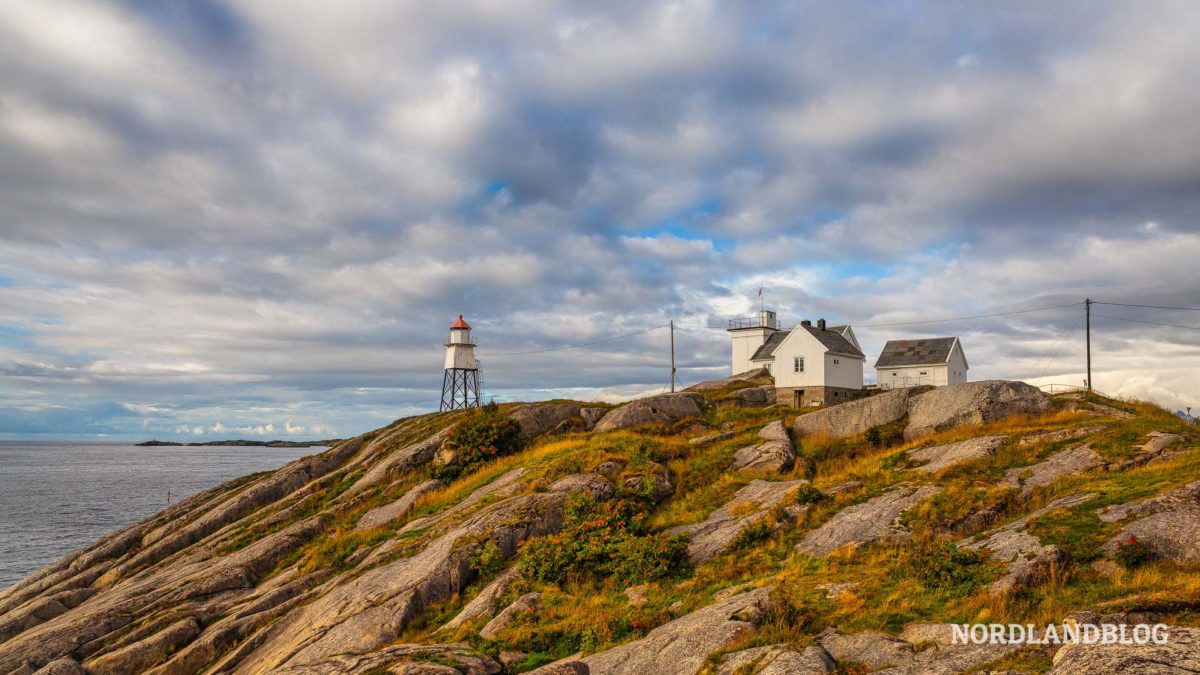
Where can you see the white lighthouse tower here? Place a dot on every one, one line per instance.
(461, 382)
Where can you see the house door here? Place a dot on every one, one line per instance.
(798, 398)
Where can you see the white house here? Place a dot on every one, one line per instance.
(812, 364)
(912, 363)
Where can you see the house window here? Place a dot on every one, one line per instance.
(835, 362)
(924, 372)
(798, 364)
(894, 373)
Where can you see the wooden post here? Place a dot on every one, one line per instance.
(672, 356)
(1087, 313)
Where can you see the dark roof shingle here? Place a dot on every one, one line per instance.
(767, 350)
(833, 341)
(922, 352)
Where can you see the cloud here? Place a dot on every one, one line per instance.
(259, 217)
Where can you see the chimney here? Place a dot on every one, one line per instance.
(806, 323)
(821, 324)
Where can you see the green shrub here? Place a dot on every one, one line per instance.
(1132, 552)
(603, 539)
(945, 567)
(751, 535)
(484, 435)
(488, 559)
(807, 494)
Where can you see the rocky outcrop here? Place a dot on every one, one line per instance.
(661, 409)
(484, 603)
(390, 513)
(1080, 459)
(681, 646)
(877, 520)
(1024, 556)
(506, 485)
(776, 660)
(1152, 450)
(854, 417)
(372, 609)
(400, 462)
(717, 533)
(594, 484)
(536, 419)
(1061, 435)
(981, 402)
(1179, 654)
(774, 454)
(941, 457)
(954, 659)
(572, 666)
(140, 656)
(404, 660)
(1170, 535)
(522, 605)
(747, 376)
(874, 650)
(752, 396)
(1172, 500)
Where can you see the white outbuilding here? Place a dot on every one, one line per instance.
(927, 361)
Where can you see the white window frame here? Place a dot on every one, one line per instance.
(798, 364)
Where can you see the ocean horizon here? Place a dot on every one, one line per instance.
(57, 497)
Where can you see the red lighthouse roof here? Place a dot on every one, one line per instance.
(460, 324)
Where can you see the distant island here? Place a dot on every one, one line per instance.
(240, 442)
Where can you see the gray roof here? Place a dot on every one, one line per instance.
(832, 339)
(923, 352)
(767, 350)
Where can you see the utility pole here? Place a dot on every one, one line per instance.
(1087, 313)
(672, 356)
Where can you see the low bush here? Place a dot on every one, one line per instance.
(1132, 552)
(945, 567)
(607, 538)
(484, 435)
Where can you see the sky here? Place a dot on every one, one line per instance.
(258, 218)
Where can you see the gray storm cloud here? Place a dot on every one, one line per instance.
(256, 215)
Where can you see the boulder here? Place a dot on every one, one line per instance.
(512, 658)
(539, 418)
(1080, 459)
(660, 409)
(636, 595)
(981, 402)
(712, 438)
(776, 660)
(484, 603)
(594, 484)
(1179, 654)
(592, 415)
(522, 605)
(717, 533)
(390, 513)
(732, 379)
(64, 666)
(954, 659)
(854, 417)
(941, 457)
(774, 454)
(877, 520)
(682, 646)
(874, 650)
(653, 485)
(753, 396)
(1170, 535)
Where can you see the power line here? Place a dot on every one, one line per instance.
(583, 344)
(1128, 304)
(1151, 323)
(964, 318)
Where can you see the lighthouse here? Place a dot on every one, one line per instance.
(461, 382)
